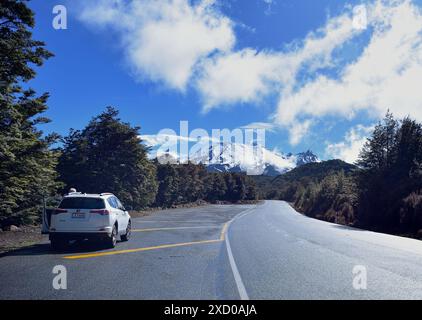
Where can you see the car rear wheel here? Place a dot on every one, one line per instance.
(125, 237)
(112, 240)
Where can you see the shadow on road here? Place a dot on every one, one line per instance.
(45, 249)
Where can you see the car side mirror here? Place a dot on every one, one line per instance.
(129, 208)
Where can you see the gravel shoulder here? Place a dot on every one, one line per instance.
(24, 237)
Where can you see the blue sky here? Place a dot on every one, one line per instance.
(310, 70)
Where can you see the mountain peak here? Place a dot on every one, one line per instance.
(306, 157)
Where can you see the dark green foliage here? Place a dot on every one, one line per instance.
(187, 183)
(239, 192)
(192, 184)
(27, 164)
(168, 187)
(107, 156)
(333, 199)
(317, 170)
(251, 189)
(180, 184)
(323, 190)
(264, 187)
(390, 178)
(17, 48)
(217, 187)
(411, 213)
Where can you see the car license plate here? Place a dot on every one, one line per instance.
(78, 215)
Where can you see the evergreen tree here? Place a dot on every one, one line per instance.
(378, 151)
(192, 188)
(251, 190)
(384, 183)
(239, 192)
(217, 187)
(168, 187)
(27, 163)
(108, 156)
(230, 187)
(408, 147)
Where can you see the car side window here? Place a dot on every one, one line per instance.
(119, 204)
(112, 202)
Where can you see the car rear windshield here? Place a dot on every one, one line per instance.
(82, 203)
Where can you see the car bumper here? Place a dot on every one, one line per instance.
(94, 235)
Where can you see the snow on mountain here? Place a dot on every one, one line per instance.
(306, 157)
(252, 159)
(234, 157)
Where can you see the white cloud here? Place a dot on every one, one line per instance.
(175, 41)
(387, 74)
(298, 130)
(164, 40)
(248, 75)
(243, 76)
(268, 126)
(182, 43)
(350, 148)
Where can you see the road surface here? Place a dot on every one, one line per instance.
(264, 251)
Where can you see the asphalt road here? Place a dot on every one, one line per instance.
(265, 251)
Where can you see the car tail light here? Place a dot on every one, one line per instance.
(102, 212)
(58, 211)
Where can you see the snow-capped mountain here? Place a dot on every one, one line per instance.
(252, 159)
(306, 157)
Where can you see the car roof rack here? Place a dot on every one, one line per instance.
(74, 193)
(106, 194)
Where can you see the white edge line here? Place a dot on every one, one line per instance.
(237, 278)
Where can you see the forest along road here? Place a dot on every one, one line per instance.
(268, 251)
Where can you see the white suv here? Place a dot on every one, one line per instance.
(89, 216)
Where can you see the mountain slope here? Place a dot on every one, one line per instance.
(316, 171)
(305, 175)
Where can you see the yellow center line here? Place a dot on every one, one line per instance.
(223, 232)
(174, 245)
(174, 228)
(109, 253)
